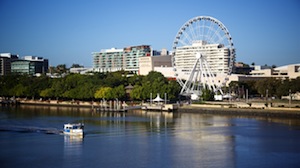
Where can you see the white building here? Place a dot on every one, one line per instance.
(81, 70)
(291, 71)
(216, 55)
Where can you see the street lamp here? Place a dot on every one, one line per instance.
(290, 98)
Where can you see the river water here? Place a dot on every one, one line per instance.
(30, 137)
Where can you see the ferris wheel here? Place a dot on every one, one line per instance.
(203, 56)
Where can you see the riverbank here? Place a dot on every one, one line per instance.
(208, 108)
(227, 110)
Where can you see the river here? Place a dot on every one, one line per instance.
(30, 137)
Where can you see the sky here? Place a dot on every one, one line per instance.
(68, 31)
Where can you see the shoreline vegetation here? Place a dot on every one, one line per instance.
(104, 91)
(261, 109)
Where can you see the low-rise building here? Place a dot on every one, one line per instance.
(81, 70)
(31, 65)
(148, 64)
(291, 71)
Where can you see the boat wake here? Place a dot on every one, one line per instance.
(29, 129)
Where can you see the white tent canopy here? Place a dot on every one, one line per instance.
(158, 99)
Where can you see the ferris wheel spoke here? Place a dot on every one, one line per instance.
(219, 35)
(203, 27)
(192, 31)
(198, 29)
(214, 35)
(221, 39)
(182, 42)
(210, 29)
(187, 37)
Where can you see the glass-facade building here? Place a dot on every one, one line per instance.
(23, 67)
(30, 65)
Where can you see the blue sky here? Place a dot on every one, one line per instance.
(68, 31)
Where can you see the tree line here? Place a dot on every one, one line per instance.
(110, 85)
(271, 87)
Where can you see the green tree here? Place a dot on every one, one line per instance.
(47, 93)
(267, 85)
(119, 92)
(104, 93)
(173, 89)
(207, 95)
(135, 80)
(295, 85)
(61, 68)
(76, 66)
(115, 79)
(19, 90)
(136, 93)
(153, 75)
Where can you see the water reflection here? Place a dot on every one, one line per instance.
(209, 138)
(73, 150)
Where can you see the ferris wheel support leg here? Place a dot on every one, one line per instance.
(188, 83)
(208, 75)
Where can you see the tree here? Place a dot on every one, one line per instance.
(47, 93)
(61, 69)
(267, 86)
(173, 89)
(136, 93)
(283, 88)
(295, 85)
(76, 66)
(153, 75)
(207, 95)
(119, 92)
(115, 79)
(19, 90)
(104, 93)
(136, 79)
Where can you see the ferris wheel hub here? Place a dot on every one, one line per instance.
(198, 55)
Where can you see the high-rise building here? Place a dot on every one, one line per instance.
(5, 63)
(108, 60)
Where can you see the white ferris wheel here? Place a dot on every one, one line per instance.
(203, 56)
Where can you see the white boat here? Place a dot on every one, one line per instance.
(73, 129)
